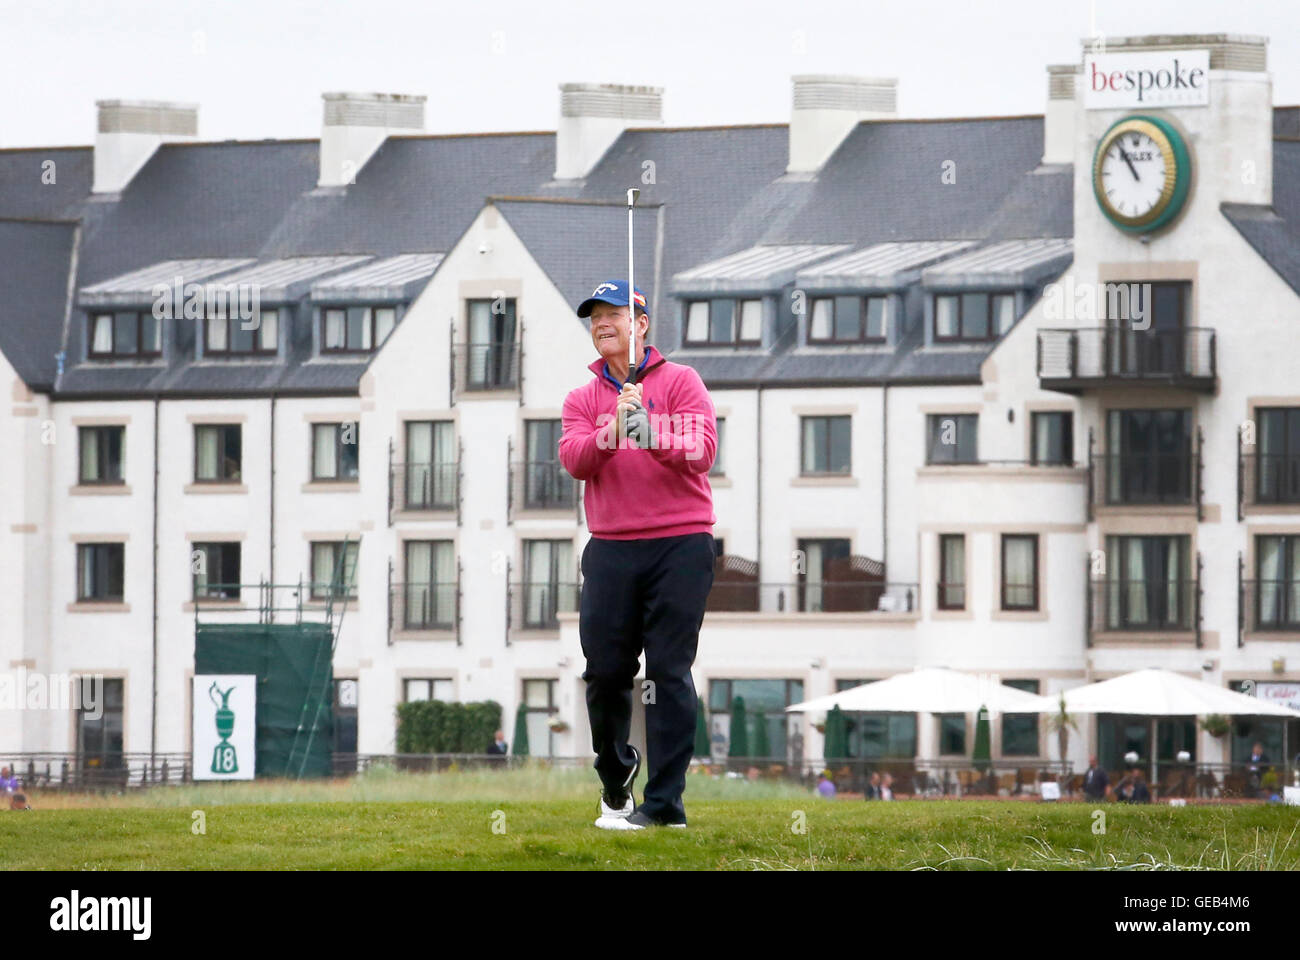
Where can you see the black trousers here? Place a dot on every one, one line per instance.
(644, 595)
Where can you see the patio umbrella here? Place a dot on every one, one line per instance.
(762, 746)
(701, 731)
(837, 735)
(980, 755)
(520, 747)
(929, 690)
(1160, 693)
(738, 745)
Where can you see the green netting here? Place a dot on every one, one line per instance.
(295, 689)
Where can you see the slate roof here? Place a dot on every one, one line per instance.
(34, 262)
(1274, 232)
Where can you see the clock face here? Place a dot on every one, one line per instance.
(1140, 173)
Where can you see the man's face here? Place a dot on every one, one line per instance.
(609, 330)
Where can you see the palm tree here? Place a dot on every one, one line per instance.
(1061, 723)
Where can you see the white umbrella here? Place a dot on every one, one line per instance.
(928, 690)
(1160, 693)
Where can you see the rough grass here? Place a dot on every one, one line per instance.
(542, 819)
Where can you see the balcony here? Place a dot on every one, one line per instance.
(1146, 480)
(536, 606)
(1144, 607)
(428, 607)
(813, 598)
(1267, 609)
(540, 485)
(1267, 480)
(431, 487)
(485, 367)
(1090, 358)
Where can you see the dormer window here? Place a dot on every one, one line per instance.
(125, 335)
(235, 336)
(356, 329)
(973, 317)
(729, 322)
(847, 319)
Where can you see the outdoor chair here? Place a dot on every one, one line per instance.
(1207, 784)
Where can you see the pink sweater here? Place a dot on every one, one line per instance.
(635, 494)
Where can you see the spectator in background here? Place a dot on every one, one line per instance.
(8, 782)
(1133, 788)
(873, 787)
(825, 786)
(1258, 759)
(1095, 781)
(19, 802)
(887, 787)
(498, 746)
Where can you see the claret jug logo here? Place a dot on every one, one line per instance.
(224, 757)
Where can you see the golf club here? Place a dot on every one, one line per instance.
(632, 195)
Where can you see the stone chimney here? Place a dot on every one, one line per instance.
(827, 108)
(129, 131)
(1058, 120)
(356, 124)
(592, 115)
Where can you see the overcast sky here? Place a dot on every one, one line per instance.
(257, 67)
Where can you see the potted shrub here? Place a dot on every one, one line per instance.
(557, 725)
(1216, 725)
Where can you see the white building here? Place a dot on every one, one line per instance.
(932, 451)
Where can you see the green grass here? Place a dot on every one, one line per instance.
(543, 820)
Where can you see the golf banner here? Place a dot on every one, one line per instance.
(224, 726)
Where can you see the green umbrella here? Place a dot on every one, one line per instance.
(701, 731)
(837, 735)
(520, 746)
(980, 756)
(762, 747)
(739, 745)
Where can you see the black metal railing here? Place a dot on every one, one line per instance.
(486, 366)
(425, 606)
(1147, 479)
(541, 485)
(1270, 606)
(813, 597)
(537, 605)
(110, 770)
(1150, 606)
(1269, 478)
(1096, 355)
(425, 486)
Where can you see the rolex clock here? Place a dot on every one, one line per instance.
(1140, 173)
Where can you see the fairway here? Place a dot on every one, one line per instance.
(542, 819)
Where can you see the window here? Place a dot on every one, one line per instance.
(1020, 730)
(1277, 477)
(826, 446)
(430, 688)
(125, 334)
(765, 703)
(1277, 572)
(100, 450)
(234, 335)
(335, 449)
(100, 572)
(952, 734)
(847, 319)
(547, 485)
(1052, 438)
(356, 329)
(431, 469)
(719, 468)
(550, 582)
(1019, 571)
(491, 351)
(99, 727)
(328, 576)
(711, 322)
(952, 571)
(431, 585)
(1149, 587)
(346, 694)
(540, 704)
(817, 556)
(1149, 456)
(218, 453)
(953, 438)
(973, 316)
(1160, 348)
(216, 571)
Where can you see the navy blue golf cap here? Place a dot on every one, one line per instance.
(612, 292)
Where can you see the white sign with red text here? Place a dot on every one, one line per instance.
(1149, 78)
(1283, 694)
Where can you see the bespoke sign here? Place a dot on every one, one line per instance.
(1147, 78)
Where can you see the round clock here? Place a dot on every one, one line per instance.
(1140, 173)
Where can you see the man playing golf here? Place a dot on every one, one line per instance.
(643, 440)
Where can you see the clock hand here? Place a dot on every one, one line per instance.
(1132, 168)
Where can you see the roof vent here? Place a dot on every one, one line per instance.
(592, 115)
(129, 131)
(827, 108)
(355, 126)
